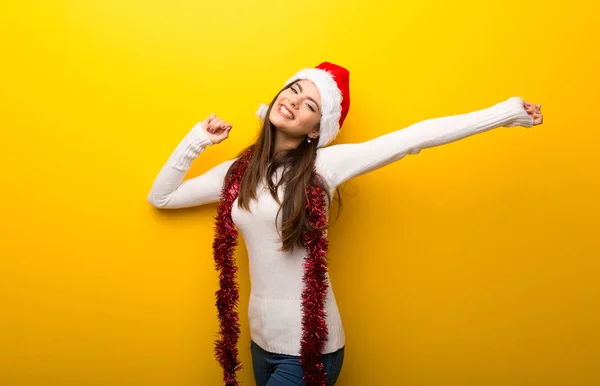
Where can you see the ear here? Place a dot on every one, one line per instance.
(315, 133)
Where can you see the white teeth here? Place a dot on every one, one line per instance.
(286, 111)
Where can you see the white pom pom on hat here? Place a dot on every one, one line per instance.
(262, 111)
(333, 83)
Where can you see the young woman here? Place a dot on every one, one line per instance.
(277, 193)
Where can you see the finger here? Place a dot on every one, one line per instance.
(216, 124)
(208, 120)
(224, 125)
(221, 125)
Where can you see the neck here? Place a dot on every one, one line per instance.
(285, 142)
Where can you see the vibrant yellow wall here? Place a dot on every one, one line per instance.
(474, 263)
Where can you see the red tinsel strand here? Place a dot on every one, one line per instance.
(314, 325)
(227, 296)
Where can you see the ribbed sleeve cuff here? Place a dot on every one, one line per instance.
(514, 113)
(189, 148)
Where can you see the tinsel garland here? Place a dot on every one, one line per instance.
(314, 326)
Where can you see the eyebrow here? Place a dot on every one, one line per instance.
(300, 87)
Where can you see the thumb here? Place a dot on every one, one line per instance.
(208, 119)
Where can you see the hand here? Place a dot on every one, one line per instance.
(534, 112)
(216, 129)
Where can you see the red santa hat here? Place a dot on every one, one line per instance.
(333, 83)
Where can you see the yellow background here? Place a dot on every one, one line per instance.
(473, 263)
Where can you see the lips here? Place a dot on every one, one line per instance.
(288, 109)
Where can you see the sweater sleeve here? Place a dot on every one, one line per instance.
(340, 163)
(170, 191)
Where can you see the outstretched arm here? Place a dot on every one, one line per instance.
(343, 162)
(169, 191)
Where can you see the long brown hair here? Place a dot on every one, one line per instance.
(298, 172)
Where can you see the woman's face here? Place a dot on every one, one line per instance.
(297, 110)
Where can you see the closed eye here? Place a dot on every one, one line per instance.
(308, 105)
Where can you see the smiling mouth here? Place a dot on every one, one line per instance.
(285, 112)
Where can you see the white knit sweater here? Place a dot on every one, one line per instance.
(276, 277)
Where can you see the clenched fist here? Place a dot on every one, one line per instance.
(535, 112)
(216, 129)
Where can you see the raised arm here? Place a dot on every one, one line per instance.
(170, 191)
(340, 163)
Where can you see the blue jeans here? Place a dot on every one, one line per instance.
(285, 370)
